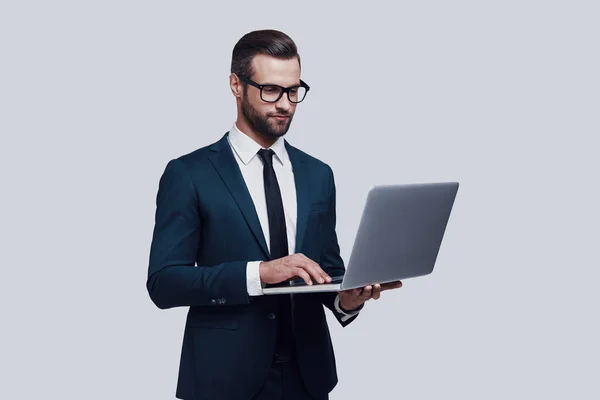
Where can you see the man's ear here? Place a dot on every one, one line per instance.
(236, 85)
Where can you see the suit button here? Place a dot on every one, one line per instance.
(271, 316)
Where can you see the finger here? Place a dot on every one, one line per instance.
(301, 261)
(317, 268)
(313, 269)
(351, 292)
(296, 262)
(391, 285)
(376, 291)
(302, 274)
(366, 293)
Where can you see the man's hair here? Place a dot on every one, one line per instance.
(270, 42)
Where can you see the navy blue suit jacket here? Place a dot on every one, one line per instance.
(206, 230)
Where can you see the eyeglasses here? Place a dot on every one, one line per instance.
(272, 93)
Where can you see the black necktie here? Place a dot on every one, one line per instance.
(279, 248)
(277, 229)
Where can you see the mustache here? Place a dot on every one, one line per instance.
(280, 115)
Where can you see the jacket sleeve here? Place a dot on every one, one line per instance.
(173, 278)
(331, 261)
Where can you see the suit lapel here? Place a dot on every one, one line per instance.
(301, 179)
(224, 162)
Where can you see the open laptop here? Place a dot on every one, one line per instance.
(399, 237)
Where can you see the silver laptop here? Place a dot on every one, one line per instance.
(399, 237)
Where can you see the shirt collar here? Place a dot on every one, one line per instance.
(246, 147)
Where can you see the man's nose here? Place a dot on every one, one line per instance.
(283, 103)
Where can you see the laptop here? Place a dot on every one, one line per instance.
(399, 237)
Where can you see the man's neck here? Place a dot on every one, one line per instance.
(245, 128)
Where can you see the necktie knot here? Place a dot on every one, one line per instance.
(267, 156)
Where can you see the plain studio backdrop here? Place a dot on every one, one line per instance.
(503, 97)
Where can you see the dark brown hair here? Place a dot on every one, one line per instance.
(270, 42)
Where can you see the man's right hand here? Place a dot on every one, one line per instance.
(290, 267)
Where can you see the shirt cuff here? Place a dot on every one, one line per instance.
(346, 315)
(253, 283)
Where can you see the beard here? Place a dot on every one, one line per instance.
(264, 124)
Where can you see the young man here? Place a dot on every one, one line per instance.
(247, 211)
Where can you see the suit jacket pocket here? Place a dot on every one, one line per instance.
(213, 321)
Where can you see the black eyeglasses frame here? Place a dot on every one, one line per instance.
(283, 90)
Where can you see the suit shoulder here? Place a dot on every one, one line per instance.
(198, 156)
(313, 161)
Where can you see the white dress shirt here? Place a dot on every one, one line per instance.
(245, 149)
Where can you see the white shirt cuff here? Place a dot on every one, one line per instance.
(253, 283)
(347, 315)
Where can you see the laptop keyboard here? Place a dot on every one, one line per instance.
(334, 279)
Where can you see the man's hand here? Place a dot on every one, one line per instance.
(352, 299)
(290, 267)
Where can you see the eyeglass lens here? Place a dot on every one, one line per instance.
(272, 93)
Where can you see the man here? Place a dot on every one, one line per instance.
(248, 211)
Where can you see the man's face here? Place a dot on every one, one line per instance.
(271, 120)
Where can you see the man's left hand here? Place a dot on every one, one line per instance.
(352, 299)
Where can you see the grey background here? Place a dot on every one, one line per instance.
(96, 97)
